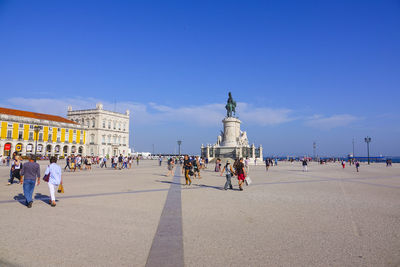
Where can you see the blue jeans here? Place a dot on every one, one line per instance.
(29, 186)
(228, 182)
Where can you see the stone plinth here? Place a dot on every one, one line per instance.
(231, 132)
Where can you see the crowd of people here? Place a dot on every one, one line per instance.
(78, 162)
(28, 173)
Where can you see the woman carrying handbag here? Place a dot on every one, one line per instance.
(54, 173)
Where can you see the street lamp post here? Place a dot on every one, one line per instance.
(179, 145)
(314, 148)
(368, 140)
(36, 128)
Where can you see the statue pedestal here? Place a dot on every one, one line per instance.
(231, 132)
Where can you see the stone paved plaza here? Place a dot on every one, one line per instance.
(328, 216)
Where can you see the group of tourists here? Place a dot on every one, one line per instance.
(192, 166)
(238, 170)
(78, 162)
(28, 175)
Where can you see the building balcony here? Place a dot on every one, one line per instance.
(91, 143)
(103, 143)
(66, 142)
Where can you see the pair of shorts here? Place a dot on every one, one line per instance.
(241, 177)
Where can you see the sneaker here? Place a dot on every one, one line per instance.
(8, 183)
(241, 189)
(30, 204)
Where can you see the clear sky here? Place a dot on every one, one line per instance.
(301, 71)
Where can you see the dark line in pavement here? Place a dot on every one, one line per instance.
(167, 246)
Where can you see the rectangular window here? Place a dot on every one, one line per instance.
(40, 136)
(104, 124)
(20, 135)
(9, 134)
(21, 125)
(31, 136)
(50, 138)
(93, 123)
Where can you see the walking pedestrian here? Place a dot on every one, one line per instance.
(228, 174)
(54, 179)
(247, 163)
(170, 167)
(267, 164)
(343, 164)
(357, 165)
(16, 170)
(196, 168)
(30, 172)
(305, 165)
(120, 161)
(241, 173)
(187, 166)
(67, 163)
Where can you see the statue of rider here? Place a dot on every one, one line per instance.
(230, 106)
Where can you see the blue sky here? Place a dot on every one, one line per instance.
(302, 71)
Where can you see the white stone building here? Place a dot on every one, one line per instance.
(107, 132)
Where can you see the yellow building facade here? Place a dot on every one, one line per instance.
(24, 132)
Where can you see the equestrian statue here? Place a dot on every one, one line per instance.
(230, 106)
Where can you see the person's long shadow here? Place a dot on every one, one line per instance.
(44, 198)
(21, 199)
(169, 182)
(210, 186)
